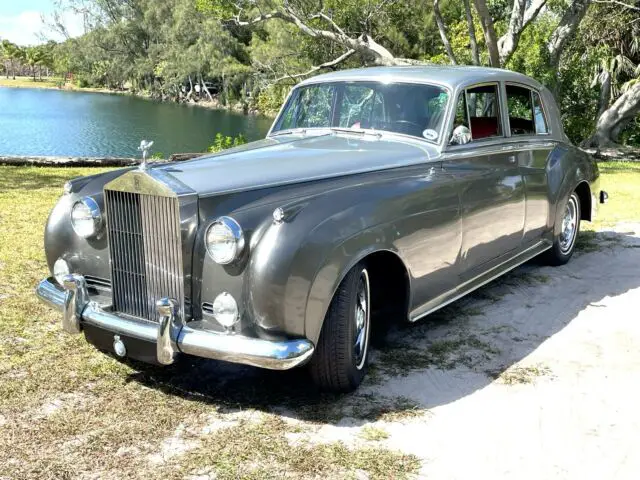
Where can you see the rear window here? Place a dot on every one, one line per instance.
(526, 114)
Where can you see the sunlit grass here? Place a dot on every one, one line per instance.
(68, 411)
(622, 181)
(29, 82)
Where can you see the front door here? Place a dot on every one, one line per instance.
(490, 183)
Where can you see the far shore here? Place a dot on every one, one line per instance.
(52, 83)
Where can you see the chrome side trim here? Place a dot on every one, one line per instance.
(275, 355)
(470, 286)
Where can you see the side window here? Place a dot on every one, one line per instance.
(484, 112)
(538, 115)
(519, 104)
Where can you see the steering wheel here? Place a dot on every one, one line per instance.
(407, 126)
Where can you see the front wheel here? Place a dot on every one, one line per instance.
(565, 242)
(341, 357)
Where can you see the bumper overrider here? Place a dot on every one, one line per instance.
(171, 335)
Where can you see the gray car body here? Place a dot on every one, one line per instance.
(454, 216)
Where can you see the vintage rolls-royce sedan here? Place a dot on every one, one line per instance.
(380, 193)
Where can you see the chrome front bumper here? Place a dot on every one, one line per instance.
(170, 335)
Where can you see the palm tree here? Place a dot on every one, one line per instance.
(33, 56)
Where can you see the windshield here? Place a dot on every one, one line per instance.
(411, 109)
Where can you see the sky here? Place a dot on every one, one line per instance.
(21, 21)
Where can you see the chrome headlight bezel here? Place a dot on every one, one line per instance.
(228, 229)
(92, 214)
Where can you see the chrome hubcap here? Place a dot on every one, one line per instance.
(361, 320)
(569, 225)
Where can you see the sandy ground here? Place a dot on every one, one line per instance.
(567, 404)
(537, 377)
(556, 398)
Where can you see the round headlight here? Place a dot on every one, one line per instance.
(225, 310)
(60, 269)
(86, 218)
(224, 240)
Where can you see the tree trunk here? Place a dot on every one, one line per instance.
(190, 92)
(565, 29)
(473, 43)
(205, 89)
(489, 32)
(615, 118)
(605, 94)
(443, 32)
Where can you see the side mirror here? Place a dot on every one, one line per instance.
(461, 135)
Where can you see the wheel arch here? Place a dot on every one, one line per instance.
(378, 259)
(584, 194)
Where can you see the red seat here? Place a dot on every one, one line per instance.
(482, 127)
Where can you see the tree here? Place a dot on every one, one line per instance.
(615, 48)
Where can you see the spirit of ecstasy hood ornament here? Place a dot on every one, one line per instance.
(144, 147)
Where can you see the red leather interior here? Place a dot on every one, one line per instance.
(482, 127)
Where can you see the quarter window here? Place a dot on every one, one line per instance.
(519, 103)
(538, 115)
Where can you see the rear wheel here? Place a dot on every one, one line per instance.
(565, 242)
(341, 357)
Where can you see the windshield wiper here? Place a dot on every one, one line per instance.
(290, 131)
(359, 131)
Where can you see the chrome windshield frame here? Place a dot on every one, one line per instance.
(377, 132)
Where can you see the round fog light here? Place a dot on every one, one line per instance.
(225, 310)
(60, 269)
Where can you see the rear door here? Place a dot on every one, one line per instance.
(530, 143)
(489, 181)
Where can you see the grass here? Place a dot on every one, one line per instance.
(517, 375)
(28, 82)
(373, 434)
(67, 410)
(622, 181)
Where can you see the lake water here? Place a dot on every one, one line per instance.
(62, 123)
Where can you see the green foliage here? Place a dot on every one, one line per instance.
(165, 47)
(222, 142)
(157, 156)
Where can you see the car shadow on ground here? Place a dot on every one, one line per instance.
(452, 353)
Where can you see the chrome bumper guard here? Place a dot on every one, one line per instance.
(171, 335)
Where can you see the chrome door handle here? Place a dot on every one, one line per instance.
(512, 159)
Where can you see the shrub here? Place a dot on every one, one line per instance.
(222, 142)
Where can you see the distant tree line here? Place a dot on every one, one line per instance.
(34, 60)
(251, 52)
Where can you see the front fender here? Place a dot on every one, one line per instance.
(297, 265)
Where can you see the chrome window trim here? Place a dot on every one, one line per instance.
(480, 141)
(542, 106)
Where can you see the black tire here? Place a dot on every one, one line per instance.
(339, 363)
(563, 248)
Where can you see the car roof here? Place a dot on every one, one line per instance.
(446, 75)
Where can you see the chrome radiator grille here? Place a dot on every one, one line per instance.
(145, 250)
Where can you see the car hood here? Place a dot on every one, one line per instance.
(291, 159)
